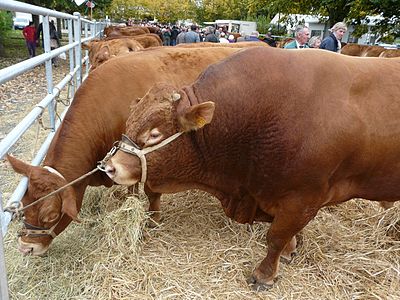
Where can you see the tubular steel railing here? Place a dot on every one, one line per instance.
(77, 34)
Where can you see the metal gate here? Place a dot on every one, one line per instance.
(80, 30)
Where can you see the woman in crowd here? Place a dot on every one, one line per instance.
(332, 42)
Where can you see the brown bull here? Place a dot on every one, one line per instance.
(102, 50)
(117, 31)
(94, 121)
(273, 141)
(148, 40)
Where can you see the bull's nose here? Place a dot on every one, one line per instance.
(110, 171)
(25, 251)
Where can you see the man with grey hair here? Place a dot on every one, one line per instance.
(332, 42)
(301, 39)
(210, 35)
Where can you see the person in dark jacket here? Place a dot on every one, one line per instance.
(54, 40)
(174, 35)
(333, 41)
(53, 35)
(210, 35)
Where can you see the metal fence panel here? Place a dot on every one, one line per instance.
(73, 79)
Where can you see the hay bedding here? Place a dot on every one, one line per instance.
(351, 251)
(347, 252)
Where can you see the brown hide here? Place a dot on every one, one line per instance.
(291, 132)
(126, 31)
(362, 50)
(389, 53)
(96, 119)
(149, 40)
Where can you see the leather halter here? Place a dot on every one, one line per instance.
(36, 231)
(129, 146)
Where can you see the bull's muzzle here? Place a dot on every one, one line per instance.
(129, 146)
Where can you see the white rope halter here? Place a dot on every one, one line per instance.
(128, 146)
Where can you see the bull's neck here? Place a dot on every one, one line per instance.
(74, 157)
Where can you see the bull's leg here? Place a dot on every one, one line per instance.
(289, 250)
(280, 239)
(154, 205)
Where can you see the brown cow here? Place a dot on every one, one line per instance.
(390, 53)
(94, 121)
(269, 146)
(362, 50)
(118, 31)
(148, 40)
(102, 50)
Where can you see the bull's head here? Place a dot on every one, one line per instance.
(159, 115)
(53, 213)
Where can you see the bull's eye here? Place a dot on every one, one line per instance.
(154, 134)
(154, 137)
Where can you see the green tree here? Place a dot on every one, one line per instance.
(5, 25)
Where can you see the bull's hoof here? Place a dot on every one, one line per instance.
(258, 286)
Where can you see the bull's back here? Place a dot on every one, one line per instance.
(309, 107)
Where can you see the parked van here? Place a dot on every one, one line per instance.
(246, 27)
(20, 23)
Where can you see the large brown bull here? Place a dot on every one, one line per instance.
(281, 135)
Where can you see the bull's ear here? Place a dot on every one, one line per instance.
(19, 166)
(69, 204)
(85, 46)
(196, 116)
(88, 45)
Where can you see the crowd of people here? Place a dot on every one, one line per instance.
(174, 35)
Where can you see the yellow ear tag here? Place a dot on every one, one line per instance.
(200, 122)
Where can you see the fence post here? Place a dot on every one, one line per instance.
(48, 66)
(78, 56)
(86, 51)
(71, 90)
